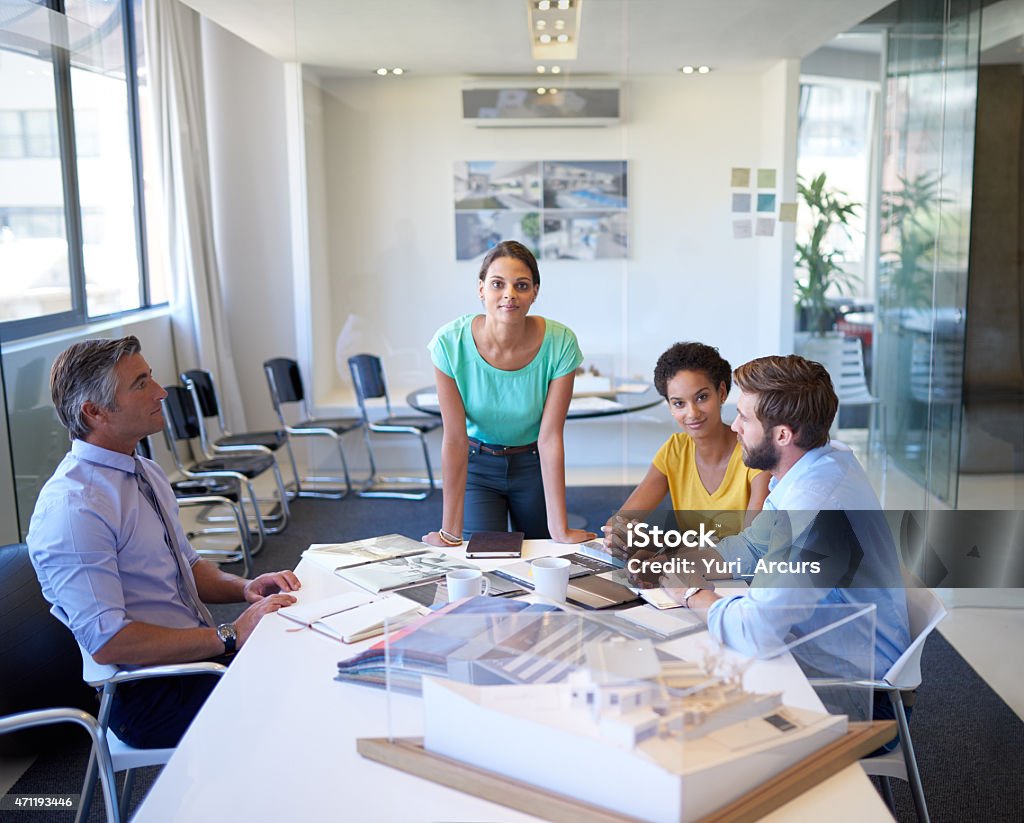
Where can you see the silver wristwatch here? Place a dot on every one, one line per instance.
(228, 636)
(690, 592)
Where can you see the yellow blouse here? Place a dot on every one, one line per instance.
(724, 507)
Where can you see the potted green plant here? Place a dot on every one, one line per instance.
(818, 261)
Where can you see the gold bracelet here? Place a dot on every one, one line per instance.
(449, 539)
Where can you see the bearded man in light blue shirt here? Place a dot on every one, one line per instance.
(112, 557)
(784, 413)
(845, 616)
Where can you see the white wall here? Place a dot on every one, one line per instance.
(245, 109)
(387, 151)
(380, 258)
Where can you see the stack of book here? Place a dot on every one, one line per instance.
(380, 564)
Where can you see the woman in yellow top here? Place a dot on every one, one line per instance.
(702, 466)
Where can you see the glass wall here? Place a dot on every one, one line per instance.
(928, 153)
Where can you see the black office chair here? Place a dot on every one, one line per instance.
(39, 665)
(181, 423)
(369, 383)
(200, 384)
(285, 384)
(208, 493)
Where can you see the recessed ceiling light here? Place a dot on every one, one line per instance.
(563, 38)
(553, 91)
(703, 69)
(542, 90)
(559, 24)
(382, 71)
(541, 69)
(564, 4)
(545, 38)
(541, 24)
(556, 69)
(687, 69)
(398, 70)
(543, 5)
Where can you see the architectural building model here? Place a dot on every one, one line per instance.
(656, 739)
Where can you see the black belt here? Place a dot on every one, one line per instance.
(501, 451)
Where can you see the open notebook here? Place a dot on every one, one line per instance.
(352, 616)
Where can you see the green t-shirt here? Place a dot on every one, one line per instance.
(503, 407)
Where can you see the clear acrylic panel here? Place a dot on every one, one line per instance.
(585, 705)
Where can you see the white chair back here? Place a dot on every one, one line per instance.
(925, 611)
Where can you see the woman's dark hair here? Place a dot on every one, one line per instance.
(692, 357)
(515, 249)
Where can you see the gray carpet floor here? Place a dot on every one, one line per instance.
(970, 744)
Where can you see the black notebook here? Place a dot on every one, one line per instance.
(487, 545)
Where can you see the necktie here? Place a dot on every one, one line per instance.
(186, 581)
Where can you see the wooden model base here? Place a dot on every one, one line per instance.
(408, 755)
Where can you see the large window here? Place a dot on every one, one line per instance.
(835, 137)
(72, 244)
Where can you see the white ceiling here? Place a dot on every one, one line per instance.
(484, 37)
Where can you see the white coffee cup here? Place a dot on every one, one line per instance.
(551, 577)
(466, 583)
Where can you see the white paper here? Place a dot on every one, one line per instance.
(581, 404)
(364, 619)
(632, 388)
(427, 399)
(315, 609)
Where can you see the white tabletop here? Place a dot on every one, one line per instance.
(276, 741)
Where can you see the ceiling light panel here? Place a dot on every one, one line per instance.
(562, 17)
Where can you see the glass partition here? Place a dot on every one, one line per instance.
(928, 155)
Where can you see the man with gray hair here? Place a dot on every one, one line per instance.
(111, 554)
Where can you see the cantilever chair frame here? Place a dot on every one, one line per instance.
(210, 447)
(261, 521)
(244, 552)
(100, 754)
(309, 428)
(371, 487)
(925, 611)
(124, 757)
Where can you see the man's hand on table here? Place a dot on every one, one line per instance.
(261, 587)
(246, 622)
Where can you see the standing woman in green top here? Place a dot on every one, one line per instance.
(504, 382)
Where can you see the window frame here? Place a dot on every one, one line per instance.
(68, 154)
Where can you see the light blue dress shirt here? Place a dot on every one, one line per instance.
(766, 617)
(98, 547)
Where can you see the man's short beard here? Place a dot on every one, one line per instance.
(763, 456)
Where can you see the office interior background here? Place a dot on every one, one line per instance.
(275, 194)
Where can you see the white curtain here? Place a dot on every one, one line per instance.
(199, 320)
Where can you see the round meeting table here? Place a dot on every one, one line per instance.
(606, 404)
(626, 397)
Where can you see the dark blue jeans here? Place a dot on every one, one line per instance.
(504, 489)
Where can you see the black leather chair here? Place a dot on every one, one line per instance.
(181, 424)
(285, 384)
(39, 662)
(368, 380)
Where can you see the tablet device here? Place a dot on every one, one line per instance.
(487, 545)
(594, 592)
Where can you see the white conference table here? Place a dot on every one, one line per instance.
(276, 740)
